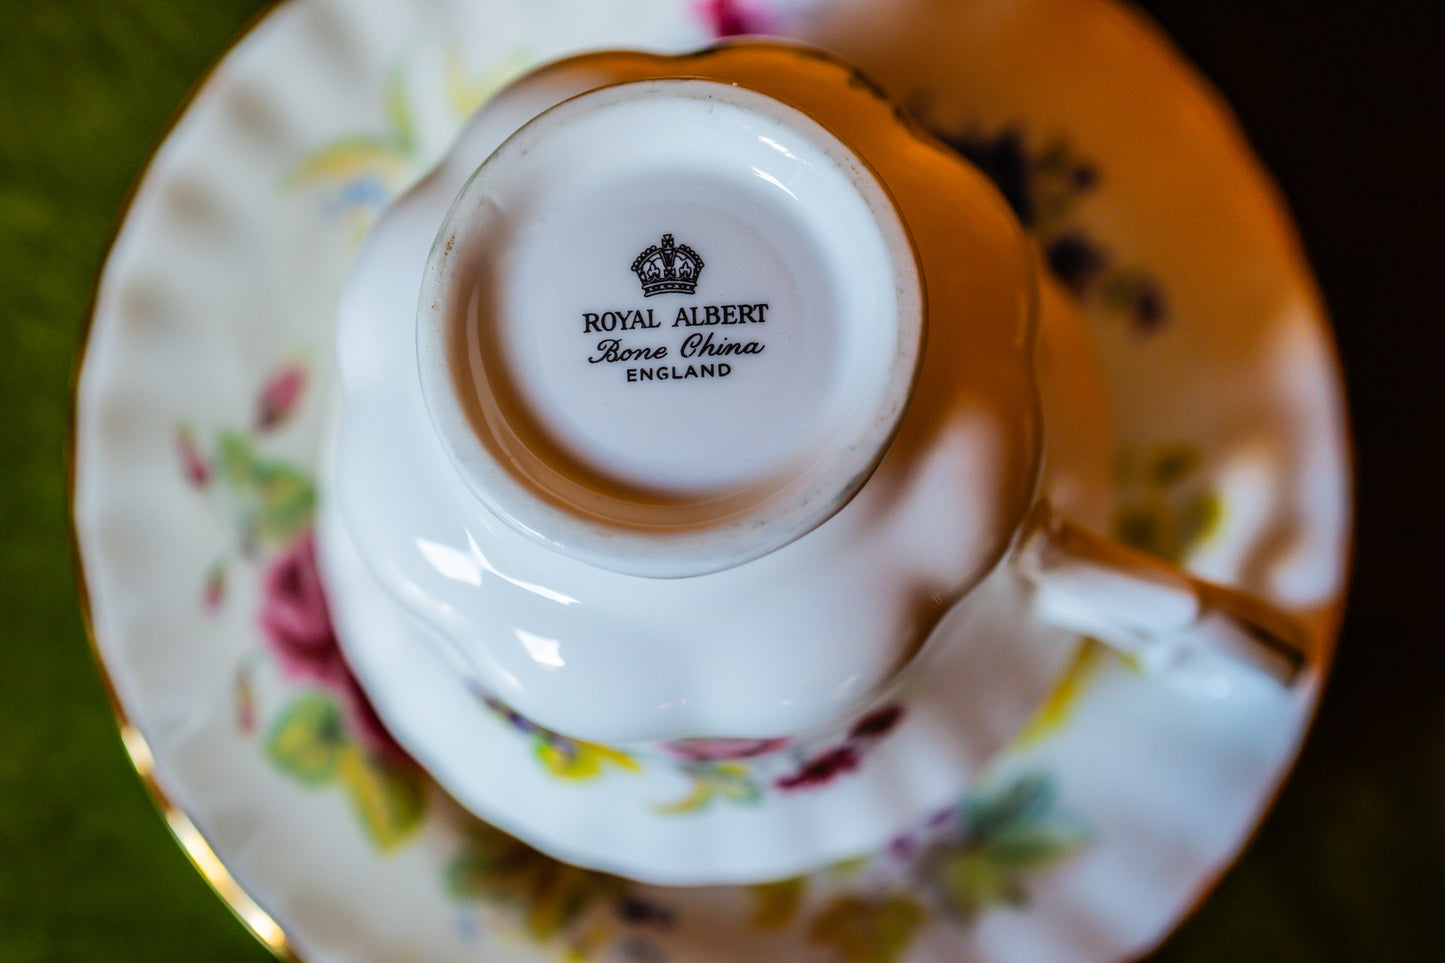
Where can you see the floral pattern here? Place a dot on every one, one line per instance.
(550, 901)
(715, 781)
(963, 861)
(564, 757)
(295, 706)
(734, 18)
(1167, 507)
(327, 732)
(354, 177)
(1044, 185)
(982, 853)
(723, 750)
(848, 755)
(720, 770)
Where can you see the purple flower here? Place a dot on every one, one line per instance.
(903, 848)
(847, 755)
(821, 770)
(1076, 261)
(636, 911)
(877, 723)
(1005, 161)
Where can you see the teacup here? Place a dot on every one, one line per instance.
(692, 402)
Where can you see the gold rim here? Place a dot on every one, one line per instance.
(190, 838)
(261, 924)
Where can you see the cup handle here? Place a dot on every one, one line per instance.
(1142, 606)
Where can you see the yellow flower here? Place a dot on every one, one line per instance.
(572, 759)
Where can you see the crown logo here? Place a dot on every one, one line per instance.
(667, 267)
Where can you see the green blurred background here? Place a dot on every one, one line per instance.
(1343, 102)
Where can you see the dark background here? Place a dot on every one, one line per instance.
(1343, 103)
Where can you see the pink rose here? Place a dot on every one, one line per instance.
(722, 750)
(296, 619)
(280, 396)
(732, 18)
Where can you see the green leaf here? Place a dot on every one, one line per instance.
(307, 740)
(1140, 526)
(1020, 804)
(235, 459)
(971, 882)
(1174, 464)
(214, 593)
(1034, 846)
(776, 905)
(350, 159)
(868, 930)
(712, 781)
(559, 898)
(389, 797)
(739, 791)
(278, 498)
(1007, 836)
(398, 113)
(286, 501)
(548, 896)
(1199, 517)
(473, 874)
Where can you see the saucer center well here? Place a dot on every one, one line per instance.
(678, 321)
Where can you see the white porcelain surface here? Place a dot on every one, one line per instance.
(653, 427)
(447, 613)
(877, 613)
(210, 335)
(806, 635)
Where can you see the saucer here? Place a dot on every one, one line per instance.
(198, 427)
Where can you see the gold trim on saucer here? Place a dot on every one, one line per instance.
(191, 840)
(257, 920)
